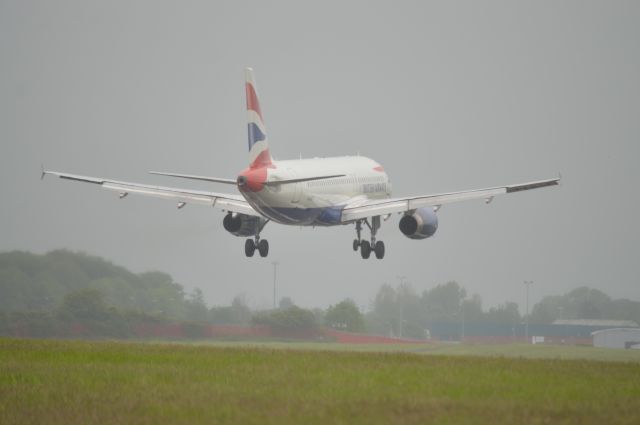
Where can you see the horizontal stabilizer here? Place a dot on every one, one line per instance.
(300, 180)
(192, 177)
(229, 181)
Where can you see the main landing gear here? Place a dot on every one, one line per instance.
(262, 245)
(367, 247)
(251, 245)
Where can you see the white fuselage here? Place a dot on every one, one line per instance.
(317, 202)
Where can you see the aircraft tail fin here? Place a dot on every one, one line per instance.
(259, 155)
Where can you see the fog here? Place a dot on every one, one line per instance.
(447, 96)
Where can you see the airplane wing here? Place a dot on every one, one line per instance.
(229, 202)
(369, 208)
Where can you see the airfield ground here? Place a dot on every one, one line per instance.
(79, 382)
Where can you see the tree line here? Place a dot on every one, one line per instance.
(62, 287)
(401, 311)
(39, 283)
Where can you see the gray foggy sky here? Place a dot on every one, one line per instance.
(446, 95)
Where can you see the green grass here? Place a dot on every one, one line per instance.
(74, 382)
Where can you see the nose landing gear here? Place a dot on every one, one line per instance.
(367, 247)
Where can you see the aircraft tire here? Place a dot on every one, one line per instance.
(356, 244)
(365, 249)
(379, 250)
(263, 248)
(249, 247)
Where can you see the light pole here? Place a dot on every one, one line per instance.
(565, 336)
(401, 280)
(275, 268)
(527, 283)
(462, 320)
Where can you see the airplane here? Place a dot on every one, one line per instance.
(348, 190)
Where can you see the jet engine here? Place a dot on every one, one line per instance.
(242, 224)
(419, 224)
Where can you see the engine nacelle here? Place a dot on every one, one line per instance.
(242, 224)
(420, 224)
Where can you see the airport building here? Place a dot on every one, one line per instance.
(617, 338)
(573, 332)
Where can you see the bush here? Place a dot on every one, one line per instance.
(292, 318)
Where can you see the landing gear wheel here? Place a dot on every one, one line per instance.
(249, 247)
(263, 247)
(356, 244)
(365, 249)
(379, 250)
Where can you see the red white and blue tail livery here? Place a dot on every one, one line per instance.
(259, 155)
(307, 192)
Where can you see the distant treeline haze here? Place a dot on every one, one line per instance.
(63, 287)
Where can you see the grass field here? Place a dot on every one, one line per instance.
(74, 382)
